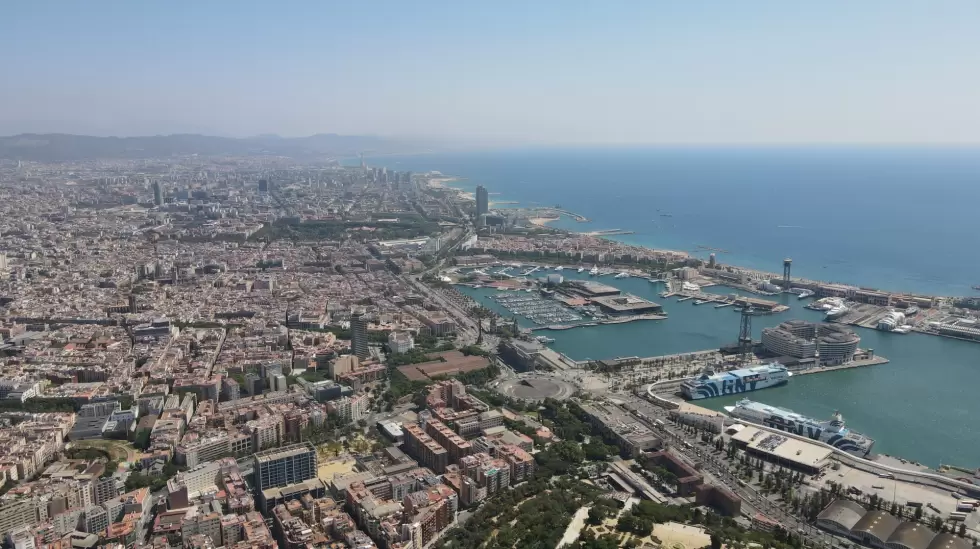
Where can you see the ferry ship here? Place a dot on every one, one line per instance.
(831, 432)
(710, 384)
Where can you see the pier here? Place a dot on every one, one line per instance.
(577, 217)
(620, 320)
(873, 361)
(667, 372)
(608, 232)
(760, 306)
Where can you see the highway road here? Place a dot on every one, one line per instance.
(466, 326)
(717, 471)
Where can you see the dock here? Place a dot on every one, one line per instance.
(608, 232)
(873, 361)
(621, 320)
(577, 217)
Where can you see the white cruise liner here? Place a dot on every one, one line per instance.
(710, 384)
(831, 432)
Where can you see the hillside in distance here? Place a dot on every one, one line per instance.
(54, 147)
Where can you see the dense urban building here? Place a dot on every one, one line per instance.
(283, 466)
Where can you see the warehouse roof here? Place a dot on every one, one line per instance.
(844, 512)
(911, 535)
(878, 524)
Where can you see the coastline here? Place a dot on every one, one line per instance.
(933, 305)
(699, 212)
(543, 221)
(953, 359)
(443, 182)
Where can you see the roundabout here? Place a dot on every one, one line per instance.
(535, 388)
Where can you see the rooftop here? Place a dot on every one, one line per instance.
(783, 447)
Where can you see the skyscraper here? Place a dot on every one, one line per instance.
(263, 186)
(358, 335)
(157, 194)
(482, 201)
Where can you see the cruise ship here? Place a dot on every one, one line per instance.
(710, 384)
(831, 432)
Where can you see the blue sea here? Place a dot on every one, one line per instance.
(897, 219)
(902, 219)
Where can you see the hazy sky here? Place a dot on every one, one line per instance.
(532, 71)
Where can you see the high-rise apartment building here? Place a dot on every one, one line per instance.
(157, 194)
(422, 447)
(358, 335)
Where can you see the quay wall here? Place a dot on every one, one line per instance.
(933, 480)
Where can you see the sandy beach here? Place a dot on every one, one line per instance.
(542, 221)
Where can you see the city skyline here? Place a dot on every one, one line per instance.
(621, 73)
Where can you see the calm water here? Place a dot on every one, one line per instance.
(921, 405)
(899, 219)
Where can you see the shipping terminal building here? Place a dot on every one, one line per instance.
(613, 302)
(830, 344)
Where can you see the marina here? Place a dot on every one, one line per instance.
(942, 435)
(936, 426)
(535, 308)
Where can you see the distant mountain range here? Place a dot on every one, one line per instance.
(53, 147)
